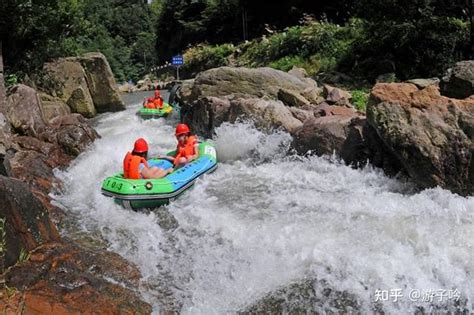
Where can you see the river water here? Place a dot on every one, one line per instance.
(266, 219)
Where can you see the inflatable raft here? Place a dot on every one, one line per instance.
(150, 193)
(149, 113)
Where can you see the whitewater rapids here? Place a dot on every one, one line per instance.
(265, 219)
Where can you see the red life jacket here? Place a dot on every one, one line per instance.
(150, 105)
(131, 166)
(187, 150)
(158, 102)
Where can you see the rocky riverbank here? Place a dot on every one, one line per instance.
(42, 271)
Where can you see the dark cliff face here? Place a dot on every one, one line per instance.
(27, 223)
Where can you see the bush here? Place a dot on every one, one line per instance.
(315, 46)
(359, 99)
(204, 56)
(11, 79)
(419, 48)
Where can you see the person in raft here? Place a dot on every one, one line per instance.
(135, 165)
(187, 149)
(149, 103)
(158, 101)
(154, 102)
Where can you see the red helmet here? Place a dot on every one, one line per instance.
(140, 146)
(150, 99)
(157, 93)
(181, 129)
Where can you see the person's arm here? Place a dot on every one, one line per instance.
(147, 172)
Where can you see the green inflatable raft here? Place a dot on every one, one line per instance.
(150, 193)
(149, 113)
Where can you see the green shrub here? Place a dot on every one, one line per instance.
(418, 48)
(11, 79)
(359, 99)
(204, 56)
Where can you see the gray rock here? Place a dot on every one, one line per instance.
(459, 81)
(101, 83)
(422, 83)
(24, 112)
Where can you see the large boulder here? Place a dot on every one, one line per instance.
(53, 107)
(337, 134)
(264, 114)
(322, 135)
(27, 223)
(101, 83)
(32, 159)
(431, 135)
(210, 112)
(31, 167)
(24, 111)
(70, 84)
(71, 132)
(63, 278)
(248, 83)
(459, 80)
(263, 95)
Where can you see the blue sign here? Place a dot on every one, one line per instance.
(177, 60)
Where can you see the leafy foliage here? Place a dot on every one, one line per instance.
(37, 31)
(365, 38)
(359, 99)
(202, 57)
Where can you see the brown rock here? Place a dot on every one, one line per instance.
(101, 83)
(243, 83)
(328, 110)
(265, 114)
(24, 111)
(336, 96)
(72, 87)
(431, 135)
(55, 156)
(30, 167)
(300, 73)
(291, 98)
(71, 132)
(207, 114)
(53, 107)
(27, 222)
(62, 278)
(323, 135)
(301, 114)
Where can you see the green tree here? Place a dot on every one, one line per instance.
(409, 37)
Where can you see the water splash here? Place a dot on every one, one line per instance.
(264, 220)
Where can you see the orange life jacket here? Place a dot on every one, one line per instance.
(158, 103)
(150, 105)
(187, 150)
(131, 166)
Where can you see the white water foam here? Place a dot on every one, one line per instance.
(263, 221)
